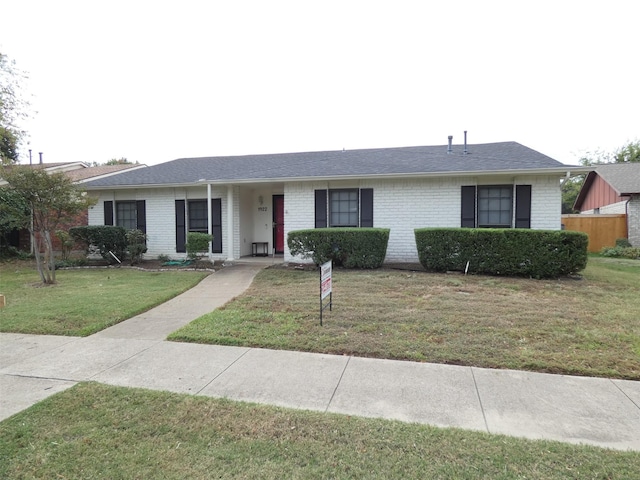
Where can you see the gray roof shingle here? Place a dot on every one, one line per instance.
(623, 177)
(425, 160)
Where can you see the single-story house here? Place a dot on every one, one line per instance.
(613, 188)
(249, 203)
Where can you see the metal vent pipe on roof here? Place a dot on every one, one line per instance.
(449, 149)
(40, 153)
(465, 143)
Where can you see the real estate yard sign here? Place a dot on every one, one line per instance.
(325, 287)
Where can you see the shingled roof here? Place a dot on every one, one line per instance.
(405, 161)
(624, 178)
(83, 174)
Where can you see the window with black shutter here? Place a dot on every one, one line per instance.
(492, 206)
(345, 207)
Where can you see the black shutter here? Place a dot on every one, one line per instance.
(523, 206)
(141, 216)
(108, 212)
(468, 214)
(321, 208)
(366, 207)
(216, 225)
(181, 231)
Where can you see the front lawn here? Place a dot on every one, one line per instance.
(98, 431)
(83, 301)
(588, 326)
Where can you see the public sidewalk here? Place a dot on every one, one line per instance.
(133, 353)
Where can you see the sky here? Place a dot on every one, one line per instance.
(153, 81)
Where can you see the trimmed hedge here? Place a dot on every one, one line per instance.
(508, 252)
(348, 247)
(104, 238)
(136, 245)
(197, 243)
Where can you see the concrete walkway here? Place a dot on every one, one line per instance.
(134, 354)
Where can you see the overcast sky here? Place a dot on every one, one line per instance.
(157, 80)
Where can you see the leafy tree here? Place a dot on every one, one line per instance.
(13, 209)
(12, 108)
(629, 152)
(50, 199)
(570, 190)
(119, 161)
(116, 161)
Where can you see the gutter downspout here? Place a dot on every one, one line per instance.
(209, 221)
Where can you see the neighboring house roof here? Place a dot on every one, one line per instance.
(624, 178)
(56, 165)
(80, 172)
(85, 174)
(405, 161)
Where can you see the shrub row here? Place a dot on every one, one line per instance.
(108, 239)
(621, 252)
(348, 247)
(509, 252)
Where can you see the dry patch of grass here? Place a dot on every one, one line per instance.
(97, 431)
(589, 326)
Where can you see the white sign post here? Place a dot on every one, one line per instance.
(325, 287)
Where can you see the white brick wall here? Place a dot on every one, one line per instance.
(404, 205)
(400, 205)
(612, 209)
(160, 212)
(546, 202)
(633, 220)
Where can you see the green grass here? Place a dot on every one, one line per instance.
(588, 326)
(83, 301)
(97, 431)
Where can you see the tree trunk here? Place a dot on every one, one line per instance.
(35, 245)
(50, 261)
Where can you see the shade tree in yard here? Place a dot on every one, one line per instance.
(49, 200)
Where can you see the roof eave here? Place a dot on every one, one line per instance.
(138, 185)
(561, 171)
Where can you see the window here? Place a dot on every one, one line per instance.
(130, 214)
(198, 216)
(343, 208)
(191, 216)
(126, 215)
(494, 206)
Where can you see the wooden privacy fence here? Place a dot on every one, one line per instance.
(603, 230)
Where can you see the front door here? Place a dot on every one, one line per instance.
(278, 223)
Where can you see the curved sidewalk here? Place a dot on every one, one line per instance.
(134, 353)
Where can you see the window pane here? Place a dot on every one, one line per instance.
(495, 206)
(343, 208)
(126, 215)
(198, 220)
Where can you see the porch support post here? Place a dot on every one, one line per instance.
(230, 227)
(209, 221)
